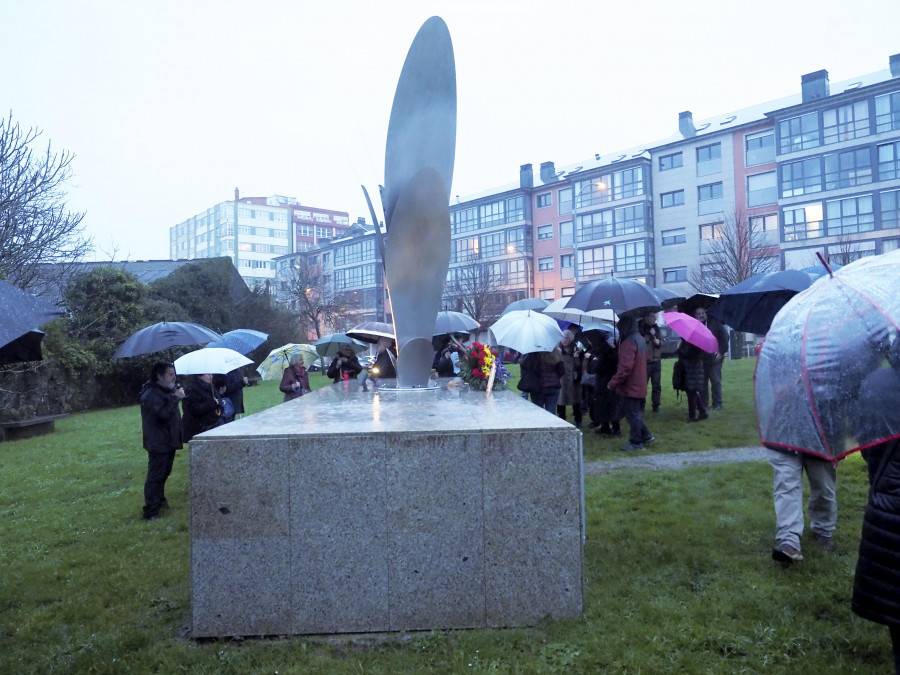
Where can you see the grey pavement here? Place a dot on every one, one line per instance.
(676, 460)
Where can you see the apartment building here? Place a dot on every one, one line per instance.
(253, 231)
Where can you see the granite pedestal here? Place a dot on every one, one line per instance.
(376, 511)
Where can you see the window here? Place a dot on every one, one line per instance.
(630, 220)
(709, 198)
(803, 222)
(545, 264)
(846, 169)
(667, 199)
(850, 216)
(798, 133)
(324, 232)
(845, 123)
(594, 191)
(545, 232)
(515, 271)
(846, 252)
(547, 294)
(492, 245)
(889, 161)
(598, 225)
(565, 201)
(596, 260)
(766, 223)
(761, 189)
(628, 183)
(709, 159)
(565, 260)
(887, 112)
(464, 249)
(674, 274)
(515, 209)
(322, 218)
(675, 236)
(673, 161)
(491, 213)
(759, 148)
(712, 231)
(801, 178)
(545, 199)
(890, 209)
(565, 234)
(515, 240)
(630, 256)
(464, 220)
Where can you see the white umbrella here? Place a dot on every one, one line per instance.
(216, 360)
(454, 322)
(526, 331)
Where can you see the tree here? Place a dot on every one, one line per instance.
(35, 223)
(476, 288)
(307, 291)
(738, 250)
(204, 290)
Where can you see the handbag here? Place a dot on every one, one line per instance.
(529, 382)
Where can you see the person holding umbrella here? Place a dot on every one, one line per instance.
(201, 406)
(712, 363)
(630, 382)
(161, 427)
(344, 365)
(294, 380)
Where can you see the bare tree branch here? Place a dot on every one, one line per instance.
(306, 289)
(35, 224)
(738, 250)
(477, 289)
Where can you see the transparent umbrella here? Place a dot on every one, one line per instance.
(824, 350)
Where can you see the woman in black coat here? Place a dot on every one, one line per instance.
(691, 358)
(344, 362)
(201, 409)
(876, 587)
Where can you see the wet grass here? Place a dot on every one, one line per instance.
(677, 568)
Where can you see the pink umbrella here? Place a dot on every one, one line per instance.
(692, 330)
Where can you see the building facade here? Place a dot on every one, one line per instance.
(253, 231)
(814, 172)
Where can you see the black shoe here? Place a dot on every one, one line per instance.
(703, 416)
(632, 446)
(152, 516)
(649, 440)
(786, 554)
(656, 409)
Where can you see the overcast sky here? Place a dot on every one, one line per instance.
(169, 105)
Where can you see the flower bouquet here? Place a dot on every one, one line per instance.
(475, 365)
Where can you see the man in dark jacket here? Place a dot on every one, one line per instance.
(712, 363)
(650, 332)
(161, 424)
(630, 382)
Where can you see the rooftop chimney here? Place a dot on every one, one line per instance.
(237, 195)
(526, 176)
(814, 86)
(548, 172)
(895, 65)
(686, 124)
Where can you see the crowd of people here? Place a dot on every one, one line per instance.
(608, 376)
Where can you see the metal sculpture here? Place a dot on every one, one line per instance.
(418, 170)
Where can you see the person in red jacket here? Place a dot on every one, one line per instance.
(630, 382)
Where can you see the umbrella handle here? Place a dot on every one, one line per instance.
(824, 262)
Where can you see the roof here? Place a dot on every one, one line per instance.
(706, 127)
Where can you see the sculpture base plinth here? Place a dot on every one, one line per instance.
(347, 511)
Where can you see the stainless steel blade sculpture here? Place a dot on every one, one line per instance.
(418, 171)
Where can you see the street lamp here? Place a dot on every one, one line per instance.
(599, 186)
(512, 249)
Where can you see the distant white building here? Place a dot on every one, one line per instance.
(253, 231)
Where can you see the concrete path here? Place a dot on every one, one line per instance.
(677, 460)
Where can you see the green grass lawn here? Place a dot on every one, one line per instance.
(677, 568)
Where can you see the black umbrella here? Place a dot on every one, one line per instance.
(667, 298)
(619, 295)
(21, 312)
(24, 348)
(371, 331)
(165, 335)
(751, 305)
